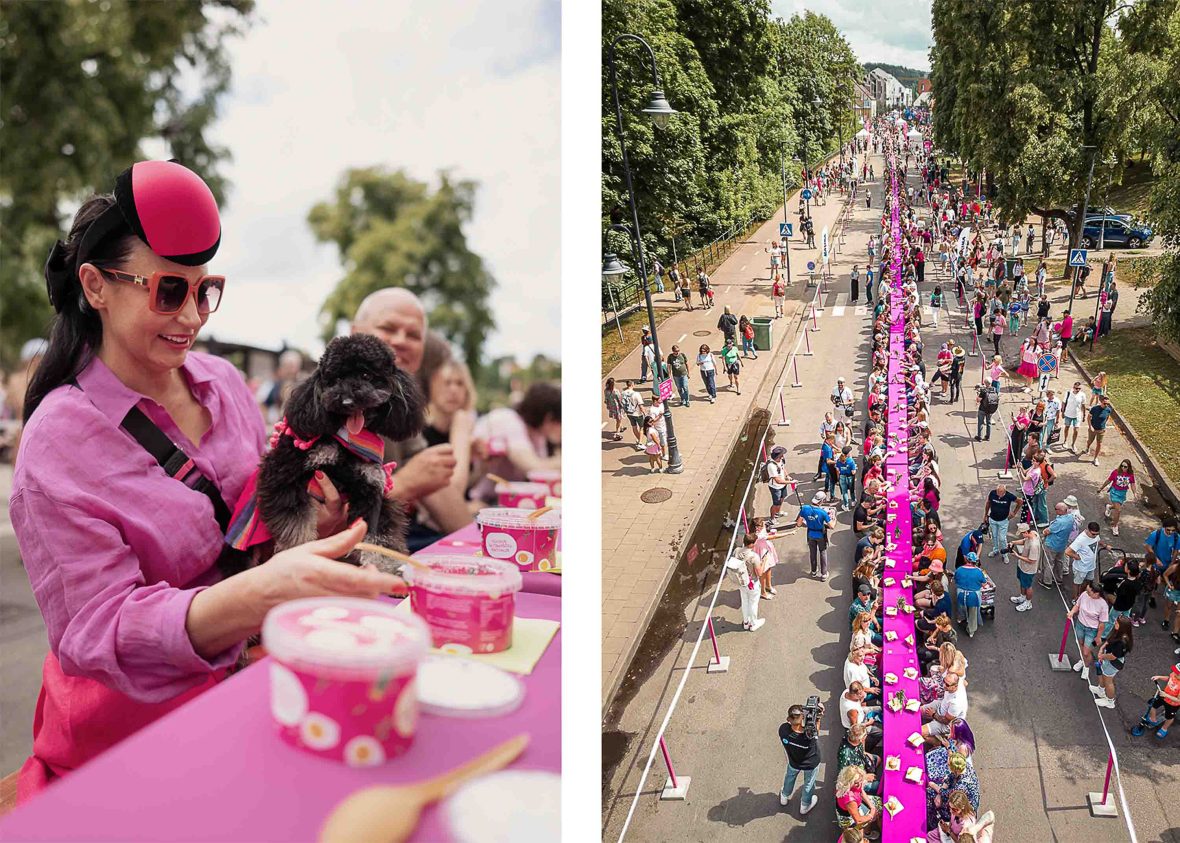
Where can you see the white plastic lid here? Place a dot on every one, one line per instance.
(507, 807)
(544, 475)
(450, 686)
(345, 634)
(520, 487)
(518, 518)
(474, 575)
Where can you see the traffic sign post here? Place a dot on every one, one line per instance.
(665, 389)
(1077, 257)
(785, 229)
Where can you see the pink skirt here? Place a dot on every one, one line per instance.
(1027, 369)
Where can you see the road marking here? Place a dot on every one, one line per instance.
(743, 269)
(861, 310)
(841, 300)
(727, 289)
(838, 310)
(682, 336)
(604, 424)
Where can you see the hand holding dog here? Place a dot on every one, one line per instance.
(331, 514)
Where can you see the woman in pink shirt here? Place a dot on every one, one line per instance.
(122, 556)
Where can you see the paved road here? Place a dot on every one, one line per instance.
(1041, 743)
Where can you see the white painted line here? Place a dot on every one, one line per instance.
(838, 310)
(841, 300)
(743, 269)
(682, 336)
(727, 289)
(604, 424)
(861, 310)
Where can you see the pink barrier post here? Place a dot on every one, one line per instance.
(795, 362)
(814, 323)
(807, 340)
(1064, 638)
(782, 406)
(1106, 784)
(668, 761)
(745, 523)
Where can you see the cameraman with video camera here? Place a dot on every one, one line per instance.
(800, 737)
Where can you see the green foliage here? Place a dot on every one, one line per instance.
(84, 84)
(503, 379)
(393, 231)
(743, 83)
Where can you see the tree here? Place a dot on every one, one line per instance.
(1034, 93)
(393, 231)
(84, 84)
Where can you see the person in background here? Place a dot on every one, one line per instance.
(764, 547)
(746, 330)
(613, 398)
(678, 366)
(15, 387)
(733, 365)
(513, 441)
(1089, 613)
(633, 408)
(745, 567)
(272, 397)
(1121, 484)
(819, 524)
(423, 474)
(652, 446)
(1027, 549)
(450, 410)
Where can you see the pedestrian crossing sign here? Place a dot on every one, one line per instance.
(1077, 257)
(785, 229)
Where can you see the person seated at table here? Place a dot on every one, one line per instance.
(123, 557)
(935, 595)
(510, 442)
(852, 754)
(979, 830)
(864, 638)
(867, 515)
(864, 603)
(958, 810)
(856, 670)
(942, 633)
(854, 807)
(950, 660)
(865, 574)
(450, 419)
(940, 713)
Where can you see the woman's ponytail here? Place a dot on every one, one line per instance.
(75, 333)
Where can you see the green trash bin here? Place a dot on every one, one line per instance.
(762, 339)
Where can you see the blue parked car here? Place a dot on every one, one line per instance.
(1118, 232)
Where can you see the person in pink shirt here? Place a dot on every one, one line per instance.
(765, 549)
(121, 553)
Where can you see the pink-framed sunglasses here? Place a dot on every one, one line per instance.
(169, 291)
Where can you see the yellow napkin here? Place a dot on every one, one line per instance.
(530, 639)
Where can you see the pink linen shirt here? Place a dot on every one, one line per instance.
(116, 549)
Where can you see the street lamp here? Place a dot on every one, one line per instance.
(659, 111)
(1082, 224)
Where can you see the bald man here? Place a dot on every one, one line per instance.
(397, 317)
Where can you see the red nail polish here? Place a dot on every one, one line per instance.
(319, 475)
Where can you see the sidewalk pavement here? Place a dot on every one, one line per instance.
(640, 542)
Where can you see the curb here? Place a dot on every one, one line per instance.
(1165, 487)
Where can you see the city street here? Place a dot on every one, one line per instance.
(1040, 739)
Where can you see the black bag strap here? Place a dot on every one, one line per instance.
(175, 462)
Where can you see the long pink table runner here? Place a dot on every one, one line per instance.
(216, 770)
(898, 655)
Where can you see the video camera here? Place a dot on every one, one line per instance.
(813, 710)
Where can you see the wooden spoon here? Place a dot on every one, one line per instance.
(495, 478)
(392, 554)
(537, 513)
(389, 814)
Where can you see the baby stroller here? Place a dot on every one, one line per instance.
(987, 602)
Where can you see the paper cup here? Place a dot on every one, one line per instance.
(342, 677)
(510, 535)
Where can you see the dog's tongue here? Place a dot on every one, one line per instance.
(356, 422)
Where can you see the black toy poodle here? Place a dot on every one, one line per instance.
(330, 424)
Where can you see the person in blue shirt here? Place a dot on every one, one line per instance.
(969, 581)
(827, 456)
(1163, 549)
(970, 544)
(818, 523)
(1056, 541)
(846, 473)
(1099, 414)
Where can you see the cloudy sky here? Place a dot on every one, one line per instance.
(320, 86)
(891, 31)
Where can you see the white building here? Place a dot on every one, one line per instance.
(887, 91)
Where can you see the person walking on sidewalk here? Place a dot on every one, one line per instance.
(727, 324)
(686, 292)
(1056, 541)
(746, 330)
(778, 293)
(842, 399)
(1028, 559)
(869, 281)
(647, 359)
(613, 398)
(1072, 410)
(1099, 414)
(1121, 484)
(733, 364)
(678, 364)
(708, 368)
(802, 757)
(854, 281)
(988, 402)
(674, 280)
(706, 289)
(776, 479)
(996, 513)
(632, 404)
(1089, 613)
(1052, 417)
(1082, 554)
(764, 547)
(969, 582)
(656, 413)
(819, 524)
(652, 446)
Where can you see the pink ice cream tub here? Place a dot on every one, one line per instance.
(549, 476)
(519, 495)
(510, 535)
(468, 602)
(343, 677)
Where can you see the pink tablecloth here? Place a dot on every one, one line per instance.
(467, 540)
(215, 770)
(899, 655)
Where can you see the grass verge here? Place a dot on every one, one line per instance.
(1145, 388)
